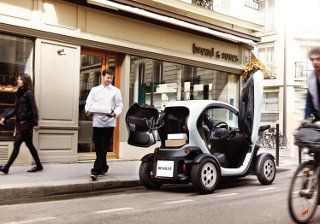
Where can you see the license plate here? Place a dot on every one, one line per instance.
(165, 168)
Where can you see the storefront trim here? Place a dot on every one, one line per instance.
(24, 31)
(172, 14)
(171, 20)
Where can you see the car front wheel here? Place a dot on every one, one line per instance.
(205, 176)
(266, 170)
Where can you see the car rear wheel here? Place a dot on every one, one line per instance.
(205, 176)
(146, 176)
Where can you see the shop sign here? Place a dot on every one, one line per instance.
(211, 52)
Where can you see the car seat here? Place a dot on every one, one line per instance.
(232, 143)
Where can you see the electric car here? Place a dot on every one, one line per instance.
(202, 141)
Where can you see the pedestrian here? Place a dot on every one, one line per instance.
(103, 124)
(313, 95)
(26, 112)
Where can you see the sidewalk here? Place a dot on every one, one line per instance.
(287, 159)
(59, 179)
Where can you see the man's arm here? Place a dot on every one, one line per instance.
(118, 104)
(89, 101)
(309, 109)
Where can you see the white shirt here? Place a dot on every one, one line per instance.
(97, 94)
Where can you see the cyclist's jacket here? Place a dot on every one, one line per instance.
(312, 102)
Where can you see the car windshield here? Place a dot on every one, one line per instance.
(218, 114)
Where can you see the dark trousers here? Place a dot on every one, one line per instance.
(101, 138)
(23, 136)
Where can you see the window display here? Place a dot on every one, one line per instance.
(16, 57)
(155, 83)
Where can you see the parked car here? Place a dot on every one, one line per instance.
(202, 141)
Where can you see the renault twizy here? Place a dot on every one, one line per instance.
(202, 141)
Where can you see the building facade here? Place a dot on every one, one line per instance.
(161, 51)
(286, 38)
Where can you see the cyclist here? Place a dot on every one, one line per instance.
(303, 192)
(313, 96)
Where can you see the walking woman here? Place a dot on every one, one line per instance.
(26, 113)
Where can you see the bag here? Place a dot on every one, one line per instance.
(308, 135)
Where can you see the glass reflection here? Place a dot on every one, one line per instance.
(155, 83)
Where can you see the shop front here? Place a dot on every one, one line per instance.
(153, 63)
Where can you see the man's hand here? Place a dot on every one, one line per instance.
(112, 114)
(36, 128)
(2, 121)
(89, 113)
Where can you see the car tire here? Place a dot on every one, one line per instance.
(266, 170)
(145, 176)
(205, 176)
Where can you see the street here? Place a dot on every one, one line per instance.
(235, 201)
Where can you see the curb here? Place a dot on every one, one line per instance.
(18, 192)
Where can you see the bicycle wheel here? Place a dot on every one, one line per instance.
(304, 193)
(271, 142)
(283, 142)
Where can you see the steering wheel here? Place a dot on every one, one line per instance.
(222, 124)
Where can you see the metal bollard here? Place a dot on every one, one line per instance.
(277, 143)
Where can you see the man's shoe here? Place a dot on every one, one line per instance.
(35, 169)
(103, 172)
(94, 177)
(4, 170)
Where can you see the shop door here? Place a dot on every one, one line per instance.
(92, 64)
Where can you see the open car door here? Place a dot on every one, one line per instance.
(140, 125)
(250, 106)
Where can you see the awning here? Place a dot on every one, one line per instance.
(166, 19)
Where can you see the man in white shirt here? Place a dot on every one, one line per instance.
(103, 124)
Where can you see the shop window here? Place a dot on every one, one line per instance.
(16, 57)
(164, 82)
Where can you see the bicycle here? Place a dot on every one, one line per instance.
(262, 140)
(267, 141)
(273, 138)
(283, 141)
(304, 187)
